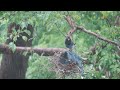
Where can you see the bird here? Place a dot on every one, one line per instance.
(69, 57)
(69, 43)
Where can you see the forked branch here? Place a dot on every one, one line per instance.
(81, 28)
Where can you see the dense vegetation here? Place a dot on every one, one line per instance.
(105, 63)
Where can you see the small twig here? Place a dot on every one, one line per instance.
(108, 21)
(59, 30)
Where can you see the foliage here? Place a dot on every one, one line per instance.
(39, 67)
(48, 27)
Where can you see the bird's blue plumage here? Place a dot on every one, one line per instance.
(69, 56)
(68, 42)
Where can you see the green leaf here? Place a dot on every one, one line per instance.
(25, 53)
(19, 31)
(31, 22)
(14, 32)
(28, 32)
(24, 38)
(23, 25)
(2, 27)
(15, 38)
(12, 46)
(11, 36)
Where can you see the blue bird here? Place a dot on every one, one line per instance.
(69, 56)
(68, 42)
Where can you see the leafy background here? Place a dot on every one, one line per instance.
(48, 27)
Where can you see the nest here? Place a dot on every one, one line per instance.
(64, 67)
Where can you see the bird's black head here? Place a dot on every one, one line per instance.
(68, 41)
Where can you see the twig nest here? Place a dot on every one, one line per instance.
(67, 63)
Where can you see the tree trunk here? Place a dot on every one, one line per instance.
(14, 65)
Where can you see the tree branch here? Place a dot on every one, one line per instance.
(71, 22)
(40, 51)
(73, 25)
(97, 35)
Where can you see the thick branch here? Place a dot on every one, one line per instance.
(72, 24)
(98, 36)
(41, 51)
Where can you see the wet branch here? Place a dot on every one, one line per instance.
(40, 51)
(73, 25)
